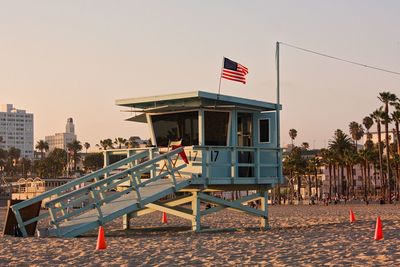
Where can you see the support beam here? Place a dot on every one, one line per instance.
(196, 226)
(230, 204)
(126, 224)
(264, 208)
(170, 203)
(170, 210)
(243, 200)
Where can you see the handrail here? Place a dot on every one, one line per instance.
(90, 187)
(111, 182)
(79, 181)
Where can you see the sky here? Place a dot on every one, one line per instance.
(61, 59)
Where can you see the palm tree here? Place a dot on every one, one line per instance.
(329, 160)
(368, 122)
(120, 141)
(105, 144)
(73, 149)
(293, 135)
(378, 116)
(387, 98)
(356, 131)
(42, 146)
(350, 159)
(339, 144)
(86, 145)
(294, 165)
(396, 119)
(133, 142)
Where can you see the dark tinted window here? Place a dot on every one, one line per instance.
(215, 128)
(264, 131)
(173, 127)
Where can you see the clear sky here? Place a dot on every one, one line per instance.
(61, 59)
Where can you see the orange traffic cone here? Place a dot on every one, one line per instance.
(352, 217)
(164, 218)
(378, 229)
(101, 240)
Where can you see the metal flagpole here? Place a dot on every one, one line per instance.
(278, 130)
(278, 141)
(220, 79)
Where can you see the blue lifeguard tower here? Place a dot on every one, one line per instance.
(231, 144)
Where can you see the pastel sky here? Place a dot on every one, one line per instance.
(61, 59)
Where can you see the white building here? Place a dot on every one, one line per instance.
(60, 140)
(374, 136)
(16, 129)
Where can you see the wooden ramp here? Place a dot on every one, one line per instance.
(97, 196)
(123, 205)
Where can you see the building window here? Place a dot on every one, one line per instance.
(173, 127)
(216, 128)
(263, 130)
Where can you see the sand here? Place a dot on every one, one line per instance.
(299, 236)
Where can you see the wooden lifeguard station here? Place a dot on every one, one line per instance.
(231, 143)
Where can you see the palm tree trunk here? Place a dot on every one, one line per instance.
(369, 178)
(342, 180)
(397, 137)
(380, 161)
(365, 180)
(316, 183)
(330, 182)
(298, 187)
(334, 180)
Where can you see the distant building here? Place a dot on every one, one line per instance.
(16, 129)
(374, 136)
(60, 140)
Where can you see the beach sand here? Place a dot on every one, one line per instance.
(299, 236)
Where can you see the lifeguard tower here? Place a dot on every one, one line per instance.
(231, 144)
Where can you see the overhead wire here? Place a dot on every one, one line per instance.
(340, 59)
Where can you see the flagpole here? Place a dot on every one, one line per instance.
(219, 86)
(278, 130)
(220, 78)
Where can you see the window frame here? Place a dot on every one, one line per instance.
(269, 130)
(228, 134)
(149, 117)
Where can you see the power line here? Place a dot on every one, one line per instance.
(341, 59)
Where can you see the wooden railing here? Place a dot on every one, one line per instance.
(66, 195)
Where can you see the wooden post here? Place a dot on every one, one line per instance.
(126, 224)
(196, 212)
(264, 208)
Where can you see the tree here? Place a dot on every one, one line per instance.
(356, 131)
(73, 149)
(86, 145)
(368, 122)
(133, 142)
(328, 159)
(120, 141)
(294, 165)
(42, 146)
(387, 98)
(350, 159)
(396, 119)
(339, 144)
(54, 163)
(105, 144)
(293, 134)
(378, 115)
(93, 161)
(305, 146)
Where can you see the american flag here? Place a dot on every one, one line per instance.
(234, 71)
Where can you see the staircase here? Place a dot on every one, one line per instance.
(102, 203)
